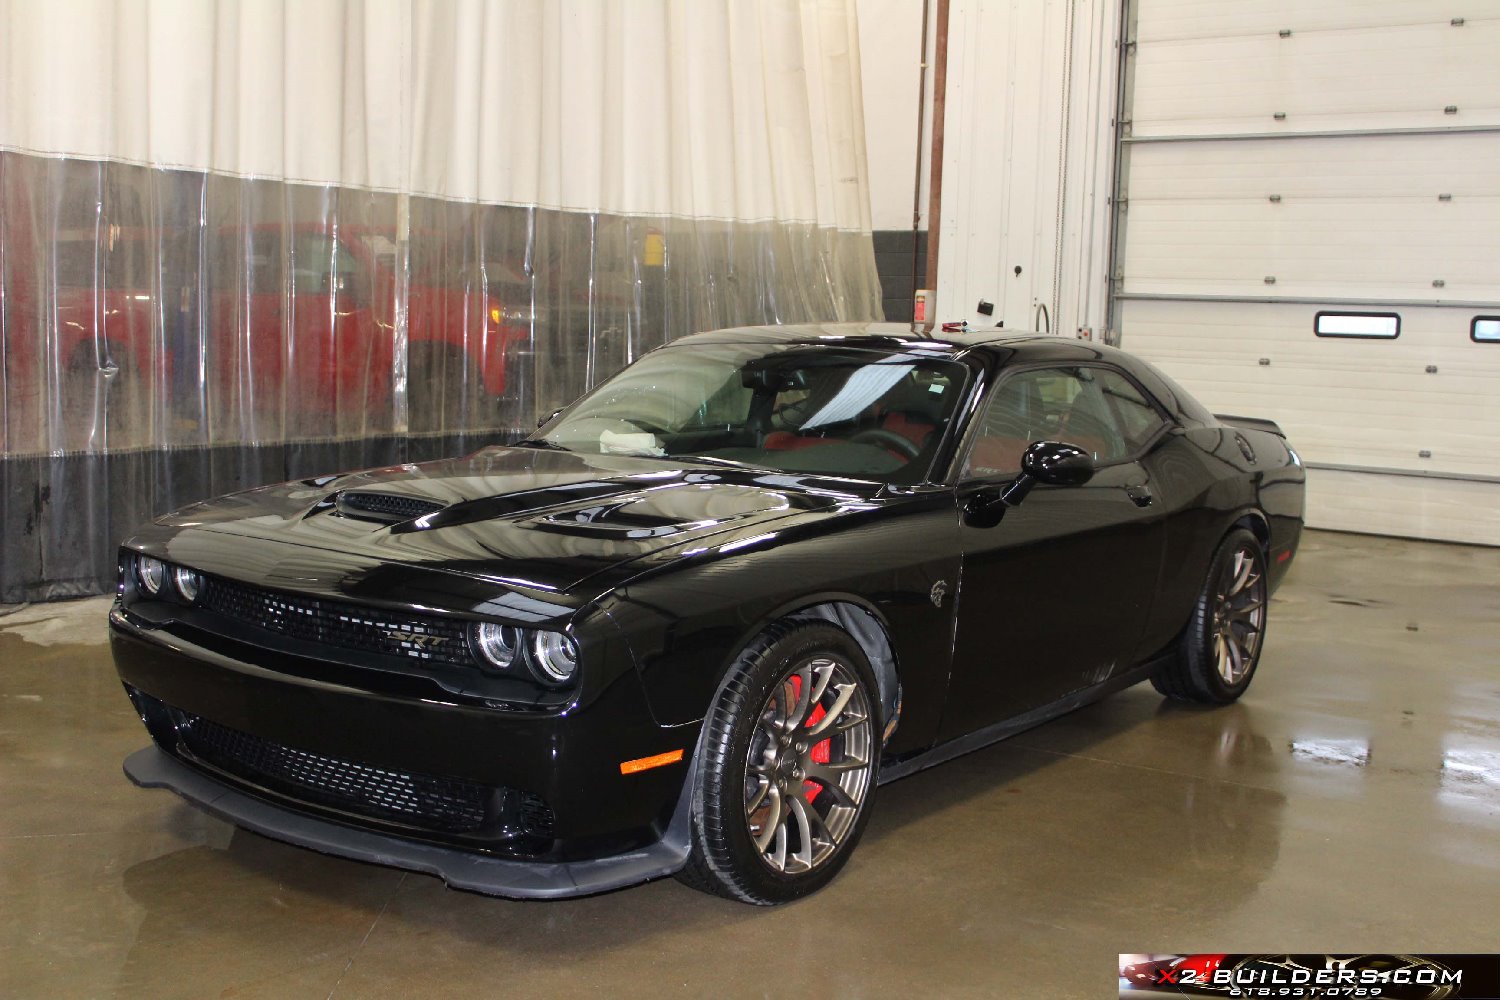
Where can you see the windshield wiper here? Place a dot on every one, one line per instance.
(540, 443)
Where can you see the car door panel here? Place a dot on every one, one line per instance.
(1057, 596)
(1054, 598)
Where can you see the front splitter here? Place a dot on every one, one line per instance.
(152, 767)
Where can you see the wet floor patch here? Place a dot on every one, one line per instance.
(60, 623)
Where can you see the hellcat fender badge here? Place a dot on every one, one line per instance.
(939, 591)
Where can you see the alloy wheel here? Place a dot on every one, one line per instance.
(1239, 614)
(809, 766)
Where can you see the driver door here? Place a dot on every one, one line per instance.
(1055, 597)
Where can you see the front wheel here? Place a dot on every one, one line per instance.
(789, 762)
(1220, 648)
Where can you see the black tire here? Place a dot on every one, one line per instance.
(744, 762)
(1220, 648)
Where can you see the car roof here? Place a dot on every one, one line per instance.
(1016, 345)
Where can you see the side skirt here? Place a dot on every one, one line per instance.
(895, 770)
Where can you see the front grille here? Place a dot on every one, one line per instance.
(448, 805)
(390, 507)
(334, 623)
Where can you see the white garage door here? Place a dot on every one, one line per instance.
(1283, 160)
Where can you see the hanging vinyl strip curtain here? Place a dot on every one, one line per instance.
(247, 242)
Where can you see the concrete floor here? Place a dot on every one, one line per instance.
(1351, 802)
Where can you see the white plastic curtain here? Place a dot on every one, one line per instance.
(247, 241)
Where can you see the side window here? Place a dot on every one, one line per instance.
(1048, 404)
(320, 266)
(1137, 419)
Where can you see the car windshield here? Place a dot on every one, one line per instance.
(819, 409)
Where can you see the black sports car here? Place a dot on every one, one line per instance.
(692, 622)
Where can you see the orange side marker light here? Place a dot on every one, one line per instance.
(647, 763)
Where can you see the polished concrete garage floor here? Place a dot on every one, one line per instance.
(1350, 802)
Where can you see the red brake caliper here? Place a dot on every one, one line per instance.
(820, 752)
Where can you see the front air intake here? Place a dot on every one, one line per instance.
(445, 805)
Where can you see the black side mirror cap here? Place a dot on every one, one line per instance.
(1058, 464)
(549, 417)
(1053, 463)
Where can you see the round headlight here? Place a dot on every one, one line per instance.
(554, 657)
(152, 573)
(498, 644)
(188, 583)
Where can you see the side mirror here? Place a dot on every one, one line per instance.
(1050, 462)
(550, 417)
(1053, 463)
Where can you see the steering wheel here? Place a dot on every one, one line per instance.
(647, 426)
(887, 439)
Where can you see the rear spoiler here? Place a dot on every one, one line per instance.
(1251, 424)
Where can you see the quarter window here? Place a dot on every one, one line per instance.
(1138, 420)
(1080, 406)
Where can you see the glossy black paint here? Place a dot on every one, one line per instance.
(1054, 463)
(976, 612)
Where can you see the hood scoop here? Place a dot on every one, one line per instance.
(387, 508)
(662, 512)
(617, 520)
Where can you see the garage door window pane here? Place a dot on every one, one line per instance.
(1485, 330)
(1378, 326)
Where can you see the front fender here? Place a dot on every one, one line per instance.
(687, 624)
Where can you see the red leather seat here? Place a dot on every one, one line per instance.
(910, 426)
(997, 454)
(789, 441)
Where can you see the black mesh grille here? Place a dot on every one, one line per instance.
(536, 818)
(448, 805)
(348, 626)
(386, 506)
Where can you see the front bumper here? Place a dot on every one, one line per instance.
(154, 768)
(602, 829)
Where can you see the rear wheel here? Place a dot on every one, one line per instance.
(1220, 648)
(788, 768)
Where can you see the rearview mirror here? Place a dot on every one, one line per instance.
(1053, 463)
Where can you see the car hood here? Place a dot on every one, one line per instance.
(547, 519)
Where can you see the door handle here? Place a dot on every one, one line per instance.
(1140, 496)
